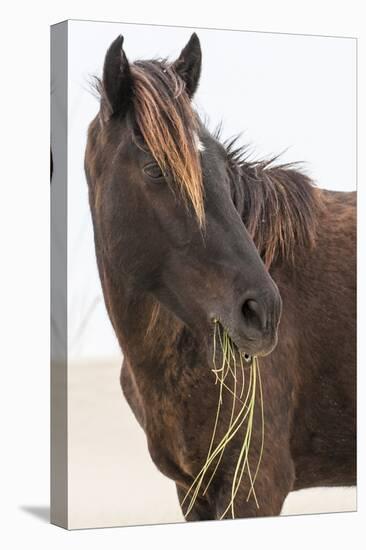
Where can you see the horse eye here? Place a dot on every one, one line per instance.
(153, 171)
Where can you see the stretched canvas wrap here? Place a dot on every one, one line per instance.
(203, 274)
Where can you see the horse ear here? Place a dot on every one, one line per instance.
(188, 64)
(117, 80)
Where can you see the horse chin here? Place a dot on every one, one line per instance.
(256, 349)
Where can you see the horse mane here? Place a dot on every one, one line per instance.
(168, 125)
(279, 204)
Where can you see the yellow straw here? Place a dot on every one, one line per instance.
(246, 413)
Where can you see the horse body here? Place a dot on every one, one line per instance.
(308, 378)
(323, 439)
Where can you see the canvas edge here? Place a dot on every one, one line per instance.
(58, 206)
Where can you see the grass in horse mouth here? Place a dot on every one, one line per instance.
(240, 423)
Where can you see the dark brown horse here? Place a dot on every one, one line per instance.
(187, 231)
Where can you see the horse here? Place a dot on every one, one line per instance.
(191, 235)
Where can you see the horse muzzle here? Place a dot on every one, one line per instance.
(253, 322)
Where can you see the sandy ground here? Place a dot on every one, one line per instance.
(112, 480)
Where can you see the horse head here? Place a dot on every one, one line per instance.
(165, 204)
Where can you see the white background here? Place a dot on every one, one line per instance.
(25, 273)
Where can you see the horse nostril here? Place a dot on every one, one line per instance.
(254, 314)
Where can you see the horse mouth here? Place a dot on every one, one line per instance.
(247, 349)
(220, 329)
